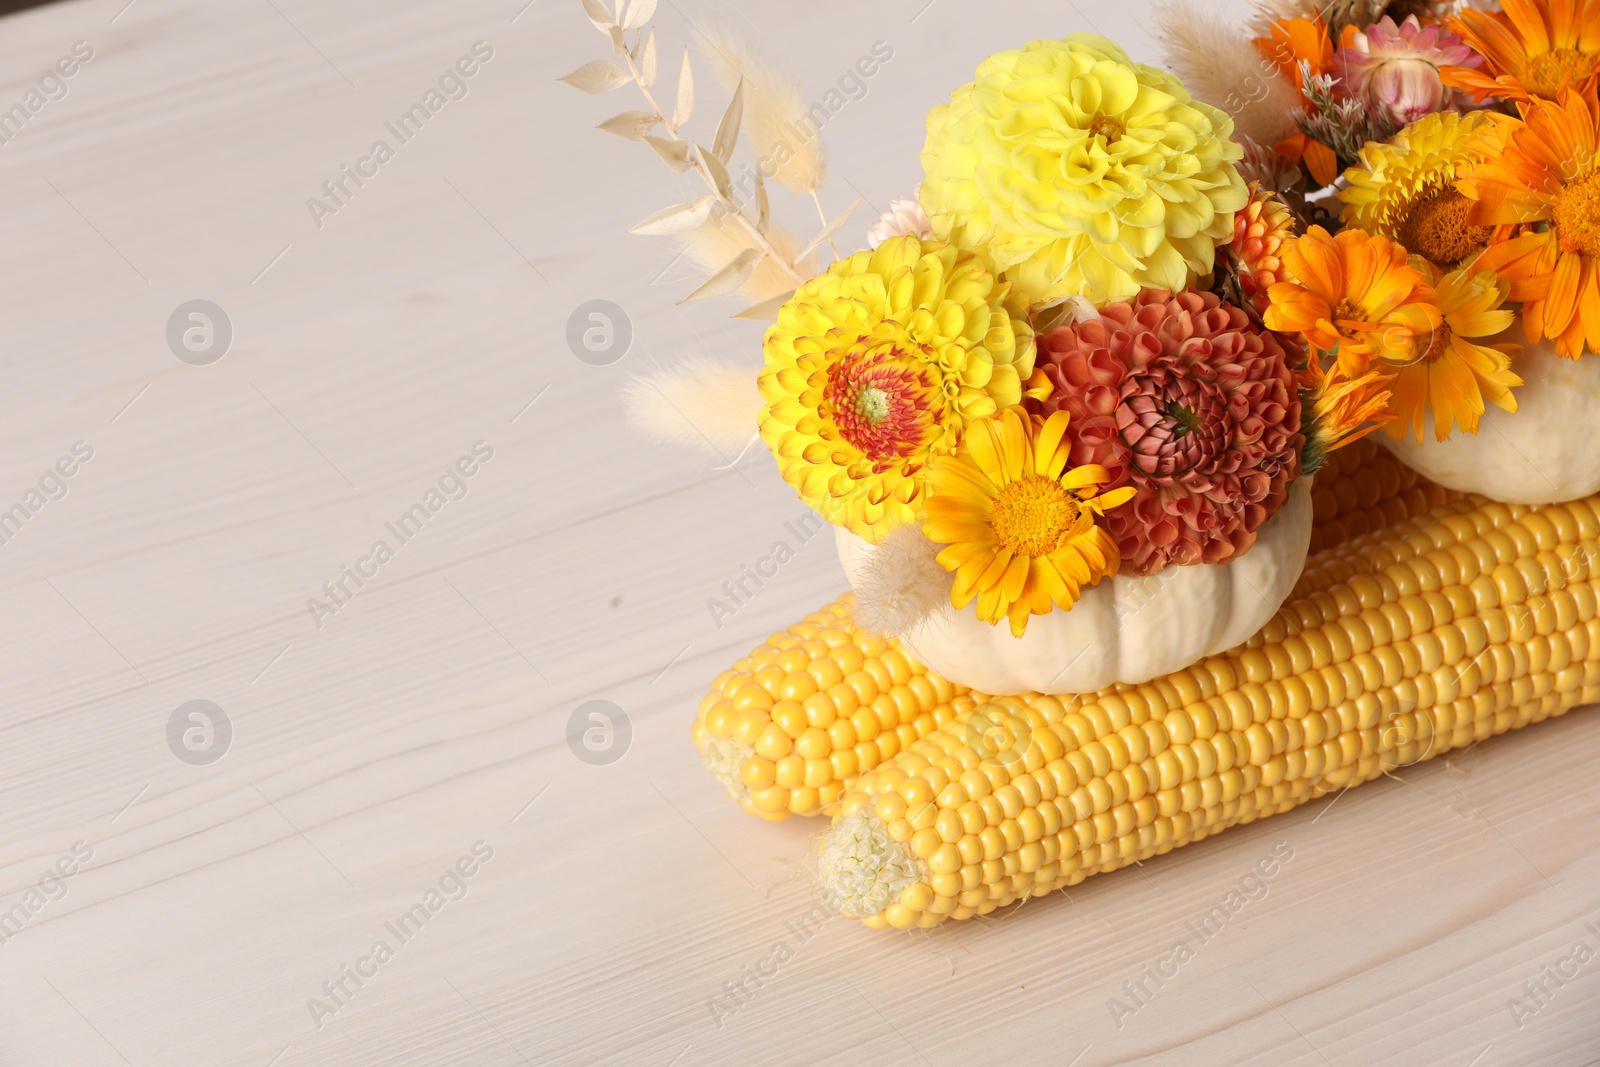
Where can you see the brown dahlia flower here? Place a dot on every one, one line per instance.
(1181, 397)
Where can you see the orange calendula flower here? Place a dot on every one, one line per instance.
(1291, 44)
(1542, 169)
(1454, 376)
(1533, 48)
(1019, 524)
(1353, 295)
(1343, 408)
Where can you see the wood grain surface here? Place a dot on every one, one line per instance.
(410, 747)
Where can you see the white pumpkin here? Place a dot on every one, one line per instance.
(1127, 628)
(1542, 453)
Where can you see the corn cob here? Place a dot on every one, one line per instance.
(782, 745)
(789, 725)
(1447, 629)
(1363, 488)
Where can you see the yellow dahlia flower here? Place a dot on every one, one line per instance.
(878, 366)
(1405, 190)
(1081, 172)
(1018, 523)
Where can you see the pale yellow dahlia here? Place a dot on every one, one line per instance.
(1081, 172)
(878, 366)
(1405, 190)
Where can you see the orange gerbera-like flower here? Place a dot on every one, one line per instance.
(1534, 49)
(1455, 376)
(1353, 295)
(1018, 523)
(1543, 169)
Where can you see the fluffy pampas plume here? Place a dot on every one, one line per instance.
(901, 584)
(1218, 64)
(776, 117)
(714, 243)
(707, 405)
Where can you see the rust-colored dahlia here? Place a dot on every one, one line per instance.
(1259, 231)
(1181, 397)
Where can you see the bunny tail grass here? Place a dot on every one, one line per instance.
(1218, 64)
(901, 585)
(700, 403)
(776, 115)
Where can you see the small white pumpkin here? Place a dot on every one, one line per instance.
(1542, 453)
(1127, 628)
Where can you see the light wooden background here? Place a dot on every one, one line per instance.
(371, 753)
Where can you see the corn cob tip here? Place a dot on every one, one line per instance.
(724, 757)
(862, 869)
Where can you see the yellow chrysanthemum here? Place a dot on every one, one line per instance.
(1454, 376)
(1081, 172)
(1019, 525)
(877, 366)
(1405, 190)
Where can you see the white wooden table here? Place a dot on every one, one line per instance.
(379, 749)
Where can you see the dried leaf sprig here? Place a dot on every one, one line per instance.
(764, 263)
(1343, 123)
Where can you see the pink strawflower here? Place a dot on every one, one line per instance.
(904, 217)
(1181, 397)
(1396, 68)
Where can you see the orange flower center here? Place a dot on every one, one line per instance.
(1546, 75)
(1575, 216)
(1350, 320)
(1435, 227)
(1031, 515)
(878, 403)
(1436, 346)
(1109, 128)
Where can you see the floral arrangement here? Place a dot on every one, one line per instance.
(1115, 323)
(1443, 162)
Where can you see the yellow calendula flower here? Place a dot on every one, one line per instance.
(1405, 190)
(1019, 524)
(1081, 172)
(1456, 374)
(879, 365)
